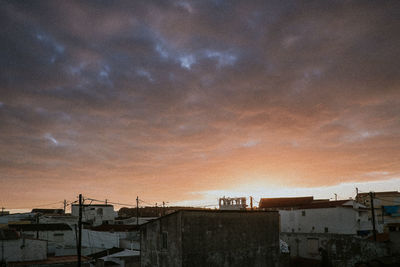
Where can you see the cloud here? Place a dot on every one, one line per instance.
(164, 97)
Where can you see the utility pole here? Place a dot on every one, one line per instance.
(163, 207)
(137, 210)
(37, 222)
(371, 196)
(106, 201)
(251, 203)
(80, 232)
(3, 263)
(65, 205)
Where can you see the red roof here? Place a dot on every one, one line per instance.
(284, 202)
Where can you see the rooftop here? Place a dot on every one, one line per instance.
(48, 211)
(327, 204)
(284, 202)
(381, 194)
(208, 211)
(40, 227)
(115, 228)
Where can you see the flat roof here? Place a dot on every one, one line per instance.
(210, 211)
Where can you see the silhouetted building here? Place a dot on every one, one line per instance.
(211, 238)
(49, 211)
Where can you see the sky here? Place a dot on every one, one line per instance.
(187, 101)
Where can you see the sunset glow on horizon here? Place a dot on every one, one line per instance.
(188, 101)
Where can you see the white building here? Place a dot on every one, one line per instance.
(338, 217)
(96, 214)
(17, 249)
(57, 235)
(309, 215)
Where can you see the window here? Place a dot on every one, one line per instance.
(164, 240)
(303, 213)
(326, 229)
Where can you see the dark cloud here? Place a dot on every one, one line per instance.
(160, 96)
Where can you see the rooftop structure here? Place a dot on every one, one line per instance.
(234, 203)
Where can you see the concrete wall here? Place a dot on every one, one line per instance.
(394, 243)
(64, 242)
(336, 220)
(212, 238)
(23, 250)
(230, 238)
(56, 239)
(152, 252)
(342, 250)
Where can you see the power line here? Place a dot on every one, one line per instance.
(115, 203)
(42, 205)
(151, 204)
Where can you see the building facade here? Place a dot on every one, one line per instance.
(211, 238)
(95, 214)
(57, 235)
(338, 220)
(17, 248)
(386, 209)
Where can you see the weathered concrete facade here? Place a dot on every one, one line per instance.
(23, 249)
(211, 238)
